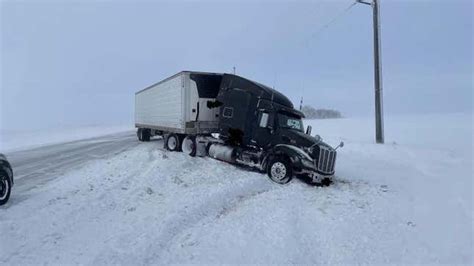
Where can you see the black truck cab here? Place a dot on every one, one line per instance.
(264, 130)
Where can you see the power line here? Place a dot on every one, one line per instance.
(330, 22)
(326, 25)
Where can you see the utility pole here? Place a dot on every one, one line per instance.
(233, 70)
(379, 132)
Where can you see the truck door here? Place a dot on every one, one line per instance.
(233, 119)
(263, 133)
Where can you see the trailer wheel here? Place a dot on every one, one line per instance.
(188, 145)
(5, 187)
(279, 170)
(140, 134)
(172, 142)
(146, 134)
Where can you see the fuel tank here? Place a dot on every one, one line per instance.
(221, 152)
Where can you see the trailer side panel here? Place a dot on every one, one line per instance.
(162, 105)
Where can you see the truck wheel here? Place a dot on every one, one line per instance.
(188, 145)
(140, 134)
(279, 170)
(146, 134)
(5, 188)
(172, 142)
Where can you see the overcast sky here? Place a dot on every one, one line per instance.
(80, 63)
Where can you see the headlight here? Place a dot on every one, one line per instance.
(312, 151)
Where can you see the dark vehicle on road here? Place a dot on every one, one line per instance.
(6, 179)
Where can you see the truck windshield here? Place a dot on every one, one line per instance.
(290, 122)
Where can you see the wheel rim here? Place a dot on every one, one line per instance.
(278, 171)
(4, 186)
(172, 142)
(188, 146)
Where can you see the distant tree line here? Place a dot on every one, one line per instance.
(313, 113)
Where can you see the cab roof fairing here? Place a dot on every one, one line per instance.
(259, 90)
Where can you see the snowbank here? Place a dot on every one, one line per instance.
(406, 202)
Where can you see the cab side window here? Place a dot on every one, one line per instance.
(263, 121)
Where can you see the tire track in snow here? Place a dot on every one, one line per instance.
(212, 208)
(189, 204)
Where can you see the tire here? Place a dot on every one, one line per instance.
(280, 170)
(146, 134)
(5, 188)
(140, 134)
(172, 142)
(188, 145)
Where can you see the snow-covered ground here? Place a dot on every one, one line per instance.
(12, 140)
(408, 201)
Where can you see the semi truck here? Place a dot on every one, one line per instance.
(236, 120)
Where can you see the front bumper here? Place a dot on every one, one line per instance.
(315, 176)
(308, 169)
(318, 178)
(319, 169)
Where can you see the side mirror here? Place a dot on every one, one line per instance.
(340, 145)
(308, 130)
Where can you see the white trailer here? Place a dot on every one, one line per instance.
(178, 106)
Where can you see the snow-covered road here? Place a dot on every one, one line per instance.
(408, 201)
(35, 167)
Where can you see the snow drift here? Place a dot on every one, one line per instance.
(408, 201)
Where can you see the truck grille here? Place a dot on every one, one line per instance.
(327, 160)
